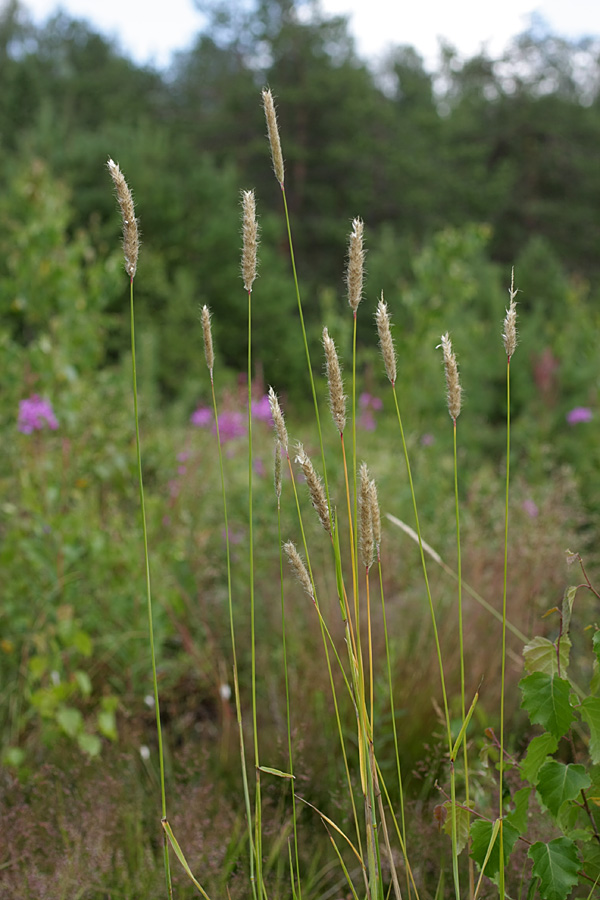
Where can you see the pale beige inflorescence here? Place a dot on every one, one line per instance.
(250, 239)
(375, 514)
(356, 264)
(365, 533)
(453, 388)
(131, 239)
(278, 420)
(277, 468)
(298, 567)
(337, 400)
(509, 335)
(273, 132)
(315, 488)
(207, 335)
(386, 343)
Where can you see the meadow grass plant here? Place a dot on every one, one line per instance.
(485, 811)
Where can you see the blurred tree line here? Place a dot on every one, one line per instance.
(507, 147)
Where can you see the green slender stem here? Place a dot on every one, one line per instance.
(287, 710)
(436, 638)
(504, 591)
(233, 645)
(307, 351)
(461, 642)
(258, 805)
(161, 759)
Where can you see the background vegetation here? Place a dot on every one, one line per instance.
(458, 174)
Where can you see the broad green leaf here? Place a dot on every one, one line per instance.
(558, 783)
(70, 720)
(556, 865)
(518, 816)
(481, 835)
(539, 748)
(84, 682)
(567, 607)
(463, 821)
(591, 859)
(595, 679)
(107, 723)
(83, 642)
(89, 743)
(546, 699)
(590, 713)
(541, 656)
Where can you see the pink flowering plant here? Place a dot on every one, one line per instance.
(36, 414)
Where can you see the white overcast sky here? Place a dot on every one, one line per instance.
(149, 30)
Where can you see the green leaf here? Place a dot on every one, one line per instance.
(546, 699)
(277, 772)
(83, 642)
(84, 683)
(595, 679)
(540, 655)
(590, 713)
(89, 743)
(556, 865)
(558, 783)
(107, 724)
(567, 607)
(70, 720)
(481, 835)
(518, 817)
(463, 821)
(539, 748)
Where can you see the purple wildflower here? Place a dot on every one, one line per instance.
(202, 417)
(530, 508)
(427, 440)
(367, 400)
(231, 425)
(35, 413)
(261, 409)
(579, 414)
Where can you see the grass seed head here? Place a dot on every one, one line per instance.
(375, 514)
(277, 468)
(131, 240)
(356, 264)
(250, 239)
(278, 420)
(337, 400)
(509, 335)
(366, 538)
(386, 343)
(299, 568)
(315, 488)
(454, 390)
(273, 132)
(207, 334)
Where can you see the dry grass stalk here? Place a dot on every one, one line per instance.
(278, 420)
(250, 239)
(131, 240)
(386, 343)
(337, 400)
(299, 568)
(366, 537)
(315, 488)
(273, 132)
(207, 334)
(454, 390)
(356, 263)
(509, 334)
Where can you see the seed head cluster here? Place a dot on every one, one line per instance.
(356, 264)
(315, 488)
(386, 343)
(207, 334)
(131, 240)
(337, 400)
(509, 334)
(454, 390)
(273, 132)
(250, 239)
